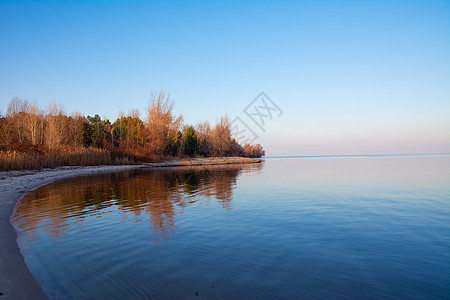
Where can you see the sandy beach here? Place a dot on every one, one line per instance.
(16, 281)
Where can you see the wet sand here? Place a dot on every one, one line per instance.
(16, 281)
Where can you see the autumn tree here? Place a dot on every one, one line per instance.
(56, 125)
(254, 151)
(235, 148)
(203, 133)
(161, 122)
(159, 136)
(220, 138)
(75, 129)
(16, 114)
(35, 122)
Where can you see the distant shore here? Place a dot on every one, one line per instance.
(205, 161)
(16, 281)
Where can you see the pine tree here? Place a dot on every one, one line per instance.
(190, 141)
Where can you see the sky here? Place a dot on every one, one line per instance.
(348, 77)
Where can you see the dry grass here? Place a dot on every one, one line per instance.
(15, 160)
(23, 156)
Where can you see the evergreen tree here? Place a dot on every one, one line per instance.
(190, 141)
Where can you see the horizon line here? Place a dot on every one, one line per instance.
(354, 155)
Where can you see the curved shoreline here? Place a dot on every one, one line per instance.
(16, 281)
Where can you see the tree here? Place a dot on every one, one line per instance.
(160, 122)
(87, 132)
(56, 125)
(255, 151)
(4, 134)
(203, 133)
(101, 133)
(189, 141)
(34, 122)
(174, 145)
(160, 135)
(136, 129)
(221, 137)
(235, 148)
(128, 132)
(16, 113)
(75, 130)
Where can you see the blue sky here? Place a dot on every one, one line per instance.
(352, 77)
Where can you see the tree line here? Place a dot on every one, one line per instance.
(27, 128)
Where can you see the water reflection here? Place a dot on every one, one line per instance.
(160, 194)
(319, 228)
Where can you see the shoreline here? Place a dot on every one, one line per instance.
(204, 161)
(16, 281)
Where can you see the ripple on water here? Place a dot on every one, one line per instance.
(292, 228)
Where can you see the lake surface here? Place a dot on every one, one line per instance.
(289, 228)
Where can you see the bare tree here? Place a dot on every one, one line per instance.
(121, 116)
(221, 137)
(75, 129)
(161, 122)
(203, 130)
(17, 111)
(34, 123)
(55, 132)
(253, 150)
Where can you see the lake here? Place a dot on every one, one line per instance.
(288, 228)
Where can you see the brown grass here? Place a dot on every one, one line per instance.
(21, 160)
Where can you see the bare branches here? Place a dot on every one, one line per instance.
(35, 123)
(17, 110)
(55, 132)
(160, 122)
(26, 128)
(221, 137)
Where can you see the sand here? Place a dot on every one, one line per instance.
(205, 161)
(16, 281)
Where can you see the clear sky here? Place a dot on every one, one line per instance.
(351, 77)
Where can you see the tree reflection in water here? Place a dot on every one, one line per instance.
(161, 194)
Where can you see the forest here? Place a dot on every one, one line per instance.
(34, 138)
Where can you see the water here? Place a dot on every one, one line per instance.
(291, 228)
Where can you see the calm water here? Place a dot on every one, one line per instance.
(322, 228)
